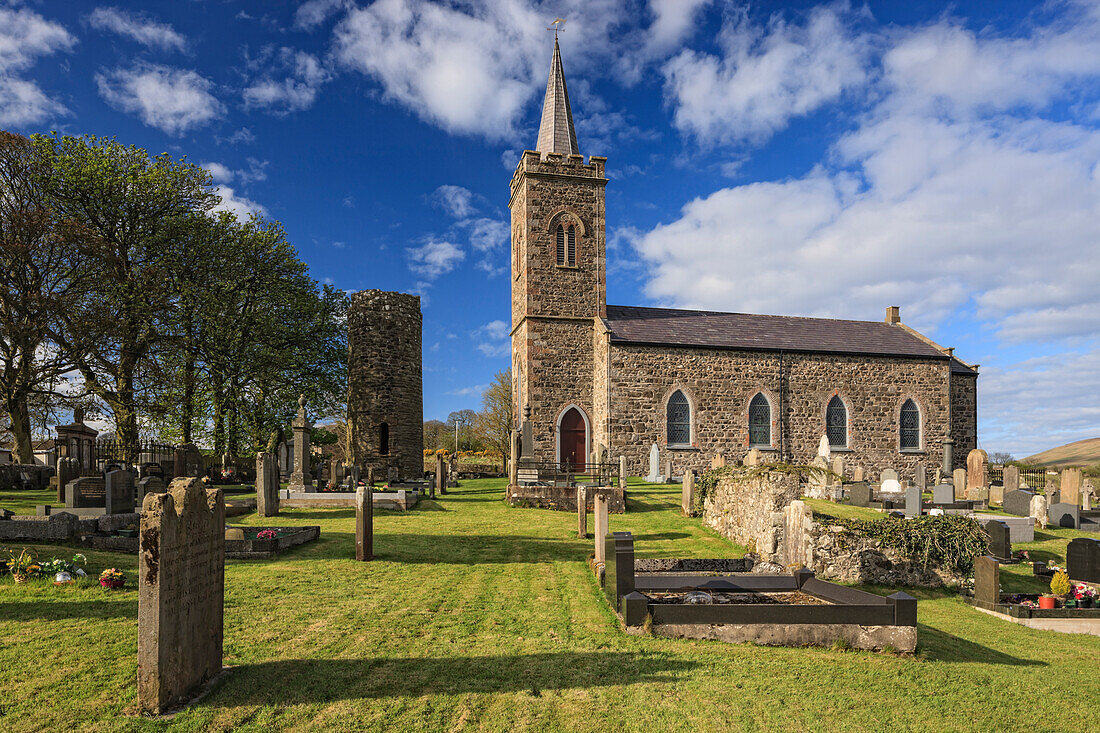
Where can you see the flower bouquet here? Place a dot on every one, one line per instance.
(112, 578)
(267, 534)
(1084, 595)
(23, 566)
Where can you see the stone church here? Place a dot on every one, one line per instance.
(613, 379)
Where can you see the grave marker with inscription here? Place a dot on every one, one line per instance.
(364, 524)
(181, 593)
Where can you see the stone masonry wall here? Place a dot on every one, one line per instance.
(720, 383)
(964, 416)
(385, 383)
(748, 510)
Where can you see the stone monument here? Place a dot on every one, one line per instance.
(582, 512)
(301, 479)
(364, 524)
(959, 480)
(119, 492)
(599, 507)
(687, 495)
(267, 485)
(654, 466)
(181, 589)
(622, 472)
(977, 469)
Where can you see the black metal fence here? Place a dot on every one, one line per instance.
(109, 451)
(567, 474)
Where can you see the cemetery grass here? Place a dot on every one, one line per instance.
(477, 616)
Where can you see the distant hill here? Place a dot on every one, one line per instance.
(1080, 453)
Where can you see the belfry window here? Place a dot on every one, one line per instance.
(566, 243)
(678, 418)
(836, 423)
(910, 426)
(760, 421)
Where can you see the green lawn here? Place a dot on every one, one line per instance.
(479, 616)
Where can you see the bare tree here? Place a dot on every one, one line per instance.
(493, 425)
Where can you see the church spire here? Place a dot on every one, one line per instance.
(556, 133)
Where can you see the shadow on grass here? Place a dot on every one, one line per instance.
(940, 646)
(322, 681)
(292, 513)
(39, 610)
(662, 536)
(474, 549)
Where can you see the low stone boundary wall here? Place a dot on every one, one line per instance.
(62, 526)
(564, 498)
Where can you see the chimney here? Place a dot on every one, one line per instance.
(893, 314)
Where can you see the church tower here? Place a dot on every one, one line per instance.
(558, 282)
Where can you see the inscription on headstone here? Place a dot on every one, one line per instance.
(181, 589)
(85, 493)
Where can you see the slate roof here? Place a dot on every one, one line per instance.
(714, 329)
(556, 132)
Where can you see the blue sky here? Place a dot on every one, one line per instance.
(806, 159)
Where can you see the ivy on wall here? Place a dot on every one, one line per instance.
(947, 541)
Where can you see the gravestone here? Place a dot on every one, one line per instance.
(391, 475)
(943, 494)
(718, 461)
(857, 473)
(234, 533)
(654, 459)
(996, 494)
(977, 469)
(1070, 486)
(959, 480)
(1083, 560)
(364, 524)
(149, 485)
(859, 493)
(912, 501)
(599, 507)
(1000, 542)
(888, 475)
(582, 512)
(890, 486)
(513, 463)
(838, 467)
(1011, 479)
(687, 494)
(987, 582)
(68, 469)
(440, 472)
(86, 492)
(668, 469)
(267, 485)
(301, 479)
(622, 472)
(1018, 502)
(948, 463)
(1064, 515)
(920, 477)
(188, 461)
(181, 593)
(1038, 510)
(824, 450)
(753, 458)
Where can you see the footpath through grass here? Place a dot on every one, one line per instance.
(477, 616)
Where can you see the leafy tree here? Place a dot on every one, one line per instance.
(42, 269)
(435, 435)
(458, 424)
(494, 423)
(134, 207)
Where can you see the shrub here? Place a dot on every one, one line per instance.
(1059, 584)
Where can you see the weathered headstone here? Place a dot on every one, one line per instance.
(119, 492)
(824, 450)
(996, 494)
(234, 533)
(364, 524)
(838, 467)
(301, 479)
(149, 485)
(1083, 560)
(599, 506)
(1000, 542)
(1064, 515)
(943, 494)
(1037, 509)
(977, 469)
(912, 501)
(857, 473)
(440, 473)
(987, 582)
(753, 458)
(267, 485)
(888, 475)
(622, 472)
(1018, 502)
(181, 592)
(948, 464)
(687, 494)
(719, 460)
(959, 479)
(859, 493)
(86, 492)
(1011, 479)
(654, 460)
(920, 478)
(668, 469)
(67, 470)
(582, 512)
(1070, 486)
(513, 463)
(890, 486)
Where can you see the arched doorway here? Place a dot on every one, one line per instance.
(573, 440)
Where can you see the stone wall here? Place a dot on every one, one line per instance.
(964, 416)
(385, 382)
(748, 510)
(720, 383)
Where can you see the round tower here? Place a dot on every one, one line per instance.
(385, 384)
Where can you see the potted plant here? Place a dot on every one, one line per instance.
(1059, 588)
(1084, 595)
(23, 566)
(112, 578)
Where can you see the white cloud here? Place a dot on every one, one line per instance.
(237, 205)
(474, 391)
(486, 234)
(434, 258)
(673, 21)
(24, 37)
(493, 339)
(173, 100)
(455, 200)
(146, 32)
(313, 13)
(297, 90)
(220, 173)
(765, 76)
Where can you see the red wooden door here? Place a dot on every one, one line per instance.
(573, 440)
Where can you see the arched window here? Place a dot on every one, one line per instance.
(910, 426)
(566, 241)
(678, 416)
(760, 421)
(836, 423)
(384, 439)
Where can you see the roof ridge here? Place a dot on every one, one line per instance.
(743, 313)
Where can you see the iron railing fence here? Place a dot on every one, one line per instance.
(567, 474)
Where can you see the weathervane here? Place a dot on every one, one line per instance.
(558, 26)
